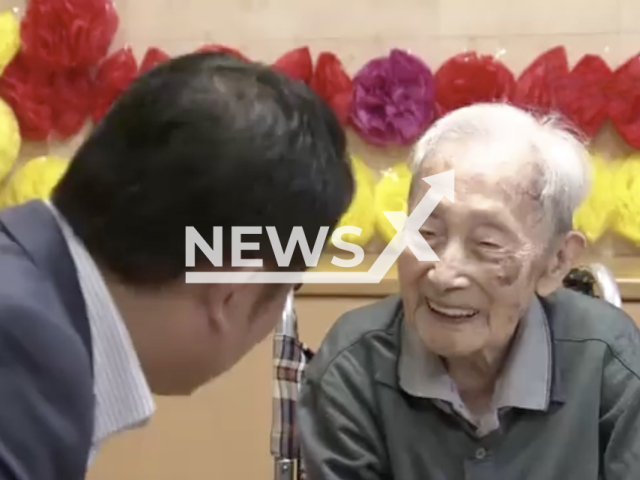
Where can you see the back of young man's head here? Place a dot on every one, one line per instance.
(203, 140)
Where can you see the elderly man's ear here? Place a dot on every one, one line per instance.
(561, 261)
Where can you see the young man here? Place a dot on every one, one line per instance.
(95, 314)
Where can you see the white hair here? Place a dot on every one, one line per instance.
(502, 136)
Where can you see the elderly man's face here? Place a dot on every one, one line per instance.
(492, 252)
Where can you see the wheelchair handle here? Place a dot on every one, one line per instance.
(288, 324)
(606, 283)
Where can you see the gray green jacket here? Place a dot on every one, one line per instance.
(357, 422)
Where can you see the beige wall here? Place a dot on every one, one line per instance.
(222, 432)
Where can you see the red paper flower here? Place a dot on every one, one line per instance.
(68, 33)
(27, 91)
(333, 85)
(71, 101)
(153, 57)
(624, 101)
(112, 79)
(582, 94)
(470, 78)
(535, 88)
(214, 47)
(297, 64)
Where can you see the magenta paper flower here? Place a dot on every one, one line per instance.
(393, 99)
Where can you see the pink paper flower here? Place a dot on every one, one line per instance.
(393, 99)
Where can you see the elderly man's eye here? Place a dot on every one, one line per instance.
(489, 245)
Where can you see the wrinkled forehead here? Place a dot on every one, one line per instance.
(508, 163)
(506, 179)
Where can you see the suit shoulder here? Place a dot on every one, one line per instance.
(28, 333)
(28, 303)
(48, 383)
(35, 328)
(353, 330)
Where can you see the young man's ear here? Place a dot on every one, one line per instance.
(218, 298)
(225, 302)
(564, 258)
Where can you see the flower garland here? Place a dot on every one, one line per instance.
(56, 73)
(10, 141)
(613, 204)
(33, 180)
(614, 201)
(64, 76)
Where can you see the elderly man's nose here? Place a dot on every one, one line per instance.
(447, 273)
(446, 276)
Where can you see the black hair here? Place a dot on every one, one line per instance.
(204, 140)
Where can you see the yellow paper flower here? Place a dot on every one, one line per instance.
(596, 213)
(627, 192)
(360, 212)
(10, 140)
(34, 180)
(9, 37)
(391, 194)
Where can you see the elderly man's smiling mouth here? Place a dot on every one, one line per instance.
(452, 314)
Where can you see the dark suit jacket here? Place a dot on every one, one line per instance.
(46, 384)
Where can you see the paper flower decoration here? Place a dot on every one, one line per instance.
(9, 38)
(595, 215)
(582, 94)
(71, 101)
(470, 78)
(59, 34)
(34, 180)
(360, 214)
(332, 84)
(28, 92)
(391, 195)
(10, 140)
(626, 221)
(112, 79)
(214, 47)
(535, 88)
(393, 99)
(154, 56)
(296, 63)
(624, 101)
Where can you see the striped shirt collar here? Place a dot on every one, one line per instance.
(123, 397)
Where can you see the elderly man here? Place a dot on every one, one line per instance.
(485, 368)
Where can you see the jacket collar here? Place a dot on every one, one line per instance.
(525, 381)
(387, 372)
(33, 227)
